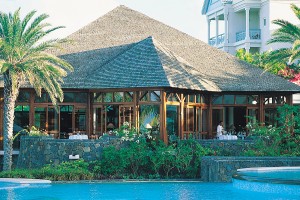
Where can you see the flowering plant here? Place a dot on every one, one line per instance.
(129, 133)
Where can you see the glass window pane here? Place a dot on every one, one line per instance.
(172, 120)
(241, 99)
(42, 99)
(271, 116)
(118, 96)
(155, 96)
(173, 97)
(217, 99)
(198, 98)
(21, 118)
(192, 98)
(68, 97)
(128, 97)
(80, 119)
(98, 97)
(97, 121)
(40, 118)
(52, 120)
(66, 119)
(253, 99)
(108, 97)
(126, 114)
(112, 117)
(189, 120)
(228, 99)
(23, 97)
(81, 97)
(144, 96)
(149, 115)
(204, 120)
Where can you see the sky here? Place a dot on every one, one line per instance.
(184, 15)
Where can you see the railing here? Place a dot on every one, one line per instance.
(254, 34)
(212, 41)
(221, 38)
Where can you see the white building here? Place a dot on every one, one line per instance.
(245, 23)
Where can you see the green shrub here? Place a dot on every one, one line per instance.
(113, 162)
(17, 173)
(281, 140)
(66, 171)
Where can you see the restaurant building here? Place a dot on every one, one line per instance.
(131, 68)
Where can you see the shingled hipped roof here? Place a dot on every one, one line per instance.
(125, 49)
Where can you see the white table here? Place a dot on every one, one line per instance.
(78, 137)
(228, 137)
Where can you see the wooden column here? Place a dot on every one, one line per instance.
(135, 110)
(261, 108)
(210, 116)
(89, 123)
(289, 99)
(163, 117)
(181, 122)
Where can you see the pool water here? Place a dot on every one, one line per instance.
(133, 190)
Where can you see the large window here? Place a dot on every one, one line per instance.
(46, 119)
(234, 99)
(107, 97)
(21, 122)
(172, 120)
(80, 119)
(21, 117)
(271, 116)
(149, 115)
(190, 119)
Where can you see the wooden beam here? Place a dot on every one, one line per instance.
(181, 122)
(163, 117)
(210, 128)
(261, 108)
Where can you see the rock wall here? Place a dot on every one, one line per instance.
(221, 168)
(37, 151)
(228, 147)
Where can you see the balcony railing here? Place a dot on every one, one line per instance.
(254, 34)
(212, 41)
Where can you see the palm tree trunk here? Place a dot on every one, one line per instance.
(10, 96)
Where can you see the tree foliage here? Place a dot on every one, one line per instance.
(25, 58)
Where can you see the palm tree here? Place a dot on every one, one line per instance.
(24, 59)
(287, 33)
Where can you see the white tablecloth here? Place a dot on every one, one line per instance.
(228, 137)
(78, 137)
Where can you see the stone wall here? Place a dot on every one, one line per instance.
(37, 151)
(221, 168)
(228, 147)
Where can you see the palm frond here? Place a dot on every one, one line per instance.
(296, 10)
(295, 55)
(23, 55)
(287, 32)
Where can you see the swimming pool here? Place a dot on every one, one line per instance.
(131, 190)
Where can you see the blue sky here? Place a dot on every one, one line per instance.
(184, 15)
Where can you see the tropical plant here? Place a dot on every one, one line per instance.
(24, 57)
(262, 60)
(277, 140)
(286, 33)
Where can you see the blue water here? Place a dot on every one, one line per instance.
(134, 190)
